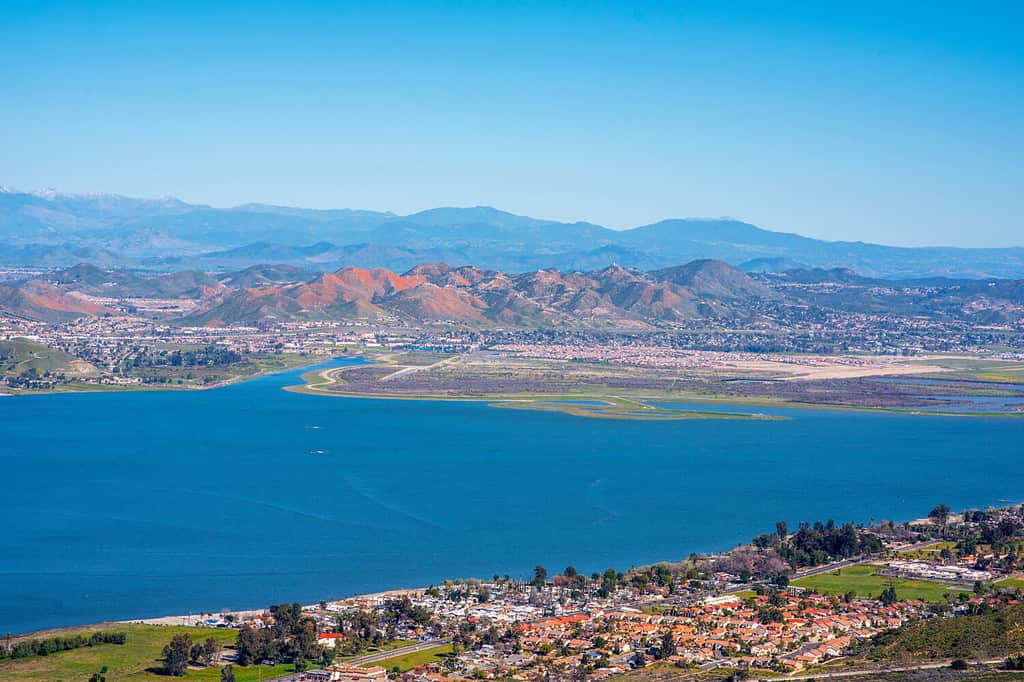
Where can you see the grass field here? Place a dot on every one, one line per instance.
(136, 659)
(929, 552)
(863, 581)
(387, 646)
(1012, 582)
(410, 661)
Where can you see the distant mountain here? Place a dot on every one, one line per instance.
(264, 275)
(88, 279)
(771, 265)
(612, 297)
(716, 279)
(47, 302)
(50, 229)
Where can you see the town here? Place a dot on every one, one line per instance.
(785, 603)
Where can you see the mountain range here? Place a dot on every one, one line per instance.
(53, 230)
(612, 297)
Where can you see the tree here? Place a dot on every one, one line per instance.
(781, 529)
(227, 674)
(177, 655)
(209, 651)
(668, 646)
(940, 514)
(540, 576)
(569, 572)
(888, 596)
(251, 645)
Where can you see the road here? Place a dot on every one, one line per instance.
(401, 651)
(863, 673)
(417, 368)
(371, 658)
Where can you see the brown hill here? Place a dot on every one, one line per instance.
(613, 296)
(46, 302)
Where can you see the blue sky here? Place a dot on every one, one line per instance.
(857, 121)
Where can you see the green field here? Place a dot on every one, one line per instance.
(862, 581)
(1012, 582)
(386, 646)
(410, 661)
(136, 659)
(929, 552)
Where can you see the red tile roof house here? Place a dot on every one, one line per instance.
(329, 639)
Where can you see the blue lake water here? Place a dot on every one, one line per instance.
(126, 505)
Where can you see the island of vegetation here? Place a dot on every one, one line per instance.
(662, 383)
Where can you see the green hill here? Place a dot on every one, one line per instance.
(20, 355)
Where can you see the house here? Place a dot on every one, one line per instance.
(374, 673)
(329, 640)
(320, 676)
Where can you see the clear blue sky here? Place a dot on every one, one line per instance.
(895, 122)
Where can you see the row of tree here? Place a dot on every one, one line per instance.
(51, 645)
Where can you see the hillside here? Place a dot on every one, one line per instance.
(987, 636)
(47, 302)
(19, 355)
(613, 296)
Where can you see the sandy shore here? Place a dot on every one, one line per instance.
(193, 619)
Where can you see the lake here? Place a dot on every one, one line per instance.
(128, 505)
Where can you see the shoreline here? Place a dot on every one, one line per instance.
(309, 388)
(86, 389)
(197, 619)
(494, 400)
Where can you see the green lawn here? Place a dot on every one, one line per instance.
(929, 552)
(129, 661)
(387, 646)
(410, 661)
(862, 581)
(1012, 582)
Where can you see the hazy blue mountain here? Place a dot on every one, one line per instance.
(771, 265)
(49, 229)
